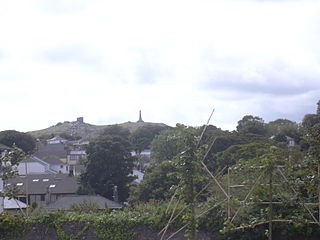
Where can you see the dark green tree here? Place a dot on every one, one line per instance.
(21, 140)
(8, 169)
(281, 128)
(167, 144)
(311, 128)
(109, 164)
(251, 124)
(142, 137)
(157, 184)
(116, 130)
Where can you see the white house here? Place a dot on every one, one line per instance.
(56, 140)
(34, 165)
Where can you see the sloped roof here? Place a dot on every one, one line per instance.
(57, 138)
(51, 153)
(138, 174)
(40, 183)
(67, 201)
(3, 147)
(34, 159)
(13, 204)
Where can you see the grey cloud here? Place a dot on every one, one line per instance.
(293, 108)
(273, 81)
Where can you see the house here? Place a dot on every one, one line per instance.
(13, 204)
(43, 188)
(139, 176)
(3, 149)
(56, 139)
(67, 202)
(34, 165)
(55, 154)
(143, 158)
(76, 155)
(290, 141)
(59, 157)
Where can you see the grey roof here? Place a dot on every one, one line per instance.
(3, 147)
(51, 153)
(138, 174)
(40, 183)
(13, 203)
(32, 158)
(67, 201)
(57, 138)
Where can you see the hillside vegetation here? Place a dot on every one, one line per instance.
(86, 130)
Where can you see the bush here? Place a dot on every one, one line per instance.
(12, 225)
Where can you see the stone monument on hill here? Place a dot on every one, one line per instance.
(140, 118)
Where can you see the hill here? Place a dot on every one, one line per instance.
(86, 130)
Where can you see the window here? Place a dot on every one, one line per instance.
(45, 180)
(42, 197)
(52, 186)
(35, 180)
(19, 184)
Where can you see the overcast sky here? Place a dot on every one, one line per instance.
(175, 60)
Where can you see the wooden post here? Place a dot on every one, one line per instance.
(229, 212)
(318, 192)
(26, 182)
(270, 206)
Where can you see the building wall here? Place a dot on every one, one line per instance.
(1, 198)
(32, 168)
(61, 168)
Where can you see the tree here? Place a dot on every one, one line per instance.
(142, 137)
(311, 128)
(251, 124)
(8, 165)
(281, 128)
(21, 140)
(116, 130)
(108, 166)
(157, 183)
(167, 144)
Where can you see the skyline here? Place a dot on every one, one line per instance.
(173, 60)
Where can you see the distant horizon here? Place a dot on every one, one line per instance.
(172, 125)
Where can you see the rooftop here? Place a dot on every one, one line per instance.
(41, 183)
(67, 201)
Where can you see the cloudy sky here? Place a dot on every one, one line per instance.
(175, 60)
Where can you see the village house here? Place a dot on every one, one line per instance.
(43, 188)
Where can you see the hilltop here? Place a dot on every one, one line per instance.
(86, 130)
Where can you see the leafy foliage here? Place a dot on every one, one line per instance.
(251, 124)
(142, 137)
(85, 207)
(12, 225)
(158, 183)
(21, 140)
(109, 164)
